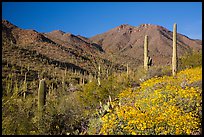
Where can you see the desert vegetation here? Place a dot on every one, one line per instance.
(142, 103)
(42, 95)
(160, 106)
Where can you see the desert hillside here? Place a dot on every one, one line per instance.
(127, 41)
(58, 83)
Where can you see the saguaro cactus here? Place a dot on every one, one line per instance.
(149, 62)
(63, 80)
(107, 73)
(127, 70)
(41, 97)
(146, 52)
(83, 79)
(25, 86)
(90, 79)
(174, 57)
(99, 75)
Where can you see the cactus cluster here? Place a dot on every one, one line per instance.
(106, 107)
(148, 60)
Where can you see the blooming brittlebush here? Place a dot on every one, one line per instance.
(160, 106)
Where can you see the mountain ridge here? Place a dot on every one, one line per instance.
(128, 40)
(124, 42)
(72, 54)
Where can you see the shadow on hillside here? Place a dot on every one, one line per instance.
(45, 59)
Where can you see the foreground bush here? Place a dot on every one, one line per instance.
(65, 112)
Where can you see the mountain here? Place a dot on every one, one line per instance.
(20, 36)
(50, 51)
(116, 47)
(61, 37)
(127, 42)
(58, 64)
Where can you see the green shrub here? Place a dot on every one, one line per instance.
(17, 115)
(92, 94)
(190, 60)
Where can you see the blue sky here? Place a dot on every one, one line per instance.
(92, 18)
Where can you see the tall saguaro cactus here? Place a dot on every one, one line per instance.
(99, 75)
(174, 57)
(41, 97)
(25, 86)
(90, 79)
(127, 70)
(146, 52)
(83, 79)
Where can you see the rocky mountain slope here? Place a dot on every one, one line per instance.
(74, 105)
(50, 50)
(127, 41)
(116, 47)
